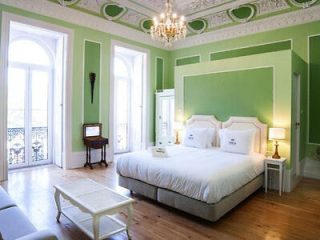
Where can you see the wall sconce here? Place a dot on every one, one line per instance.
(92, 78)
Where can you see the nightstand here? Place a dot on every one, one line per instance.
(275, 165)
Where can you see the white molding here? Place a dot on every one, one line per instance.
(78, 159)
(271, 23)
(76, 17)
(308, 89)
(5, 29)
(70, 15)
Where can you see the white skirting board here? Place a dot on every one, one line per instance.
(312, 169)
(79, 158)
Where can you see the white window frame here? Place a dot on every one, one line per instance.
(146, 100)
(68, 36)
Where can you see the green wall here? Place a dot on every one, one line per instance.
(231, 94)
(279, 39)
(314, 131)
(91, 65)
(80, 80)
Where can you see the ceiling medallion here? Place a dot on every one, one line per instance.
(243, 13)
(303, 4)
(169, 27)
(113, 11)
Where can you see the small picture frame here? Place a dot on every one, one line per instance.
(92, 130)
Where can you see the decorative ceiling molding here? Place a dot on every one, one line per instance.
(56, 11)
(246, 18)
(122, 11)
(305, 4)
(272, 23)
(67, 14)
(220, 8)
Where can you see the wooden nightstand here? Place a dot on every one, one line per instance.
(276, 165)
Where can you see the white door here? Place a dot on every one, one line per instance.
(296, 162)
(29, 104)
(28, 116)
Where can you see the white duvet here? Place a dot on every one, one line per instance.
(204, 174)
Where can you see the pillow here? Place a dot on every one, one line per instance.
(237, 141)
(211, 140)
(197, 137)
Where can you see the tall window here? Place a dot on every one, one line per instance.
(29, 78)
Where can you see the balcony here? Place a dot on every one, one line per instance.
(16, 145)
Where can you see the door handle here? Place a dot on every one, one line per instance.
(297, 124)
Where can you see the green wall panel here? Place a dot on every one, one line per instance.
(91, 65)
(187, 60)
(231, 94)
(159, 71)
(271, 47)
(314, 89)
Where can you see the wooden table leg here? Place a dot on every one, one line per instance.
(90, 165)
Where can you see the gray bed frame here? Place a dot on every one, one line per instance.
(211, 212)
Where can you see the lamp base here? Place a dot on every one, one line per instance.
(276, 154)
(177, 138)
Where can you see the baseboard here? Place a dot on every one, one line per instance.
(79, 158)
(312, 168)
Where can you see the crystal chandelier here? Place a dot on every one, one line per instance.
(169, 27)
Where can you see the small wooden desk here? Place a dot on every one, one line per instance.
(95, 143)
(92, 139)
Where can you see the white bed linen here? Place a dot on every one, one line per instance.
(207, 175)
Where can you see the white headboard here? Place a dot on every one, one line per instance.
(205, 121)
(241, 123)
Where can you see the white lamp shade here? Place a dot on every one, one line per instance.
(277, 133)
(178, 125)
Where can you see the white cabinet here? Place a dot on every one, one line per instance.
(165, 118)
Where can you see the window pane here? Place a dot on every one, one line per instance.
(40, 82)
(30, 52)
(16, 111)
(120, 68)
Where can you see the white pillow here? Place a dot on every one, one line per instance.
(211, 140)
(237, 141)
(196, 137)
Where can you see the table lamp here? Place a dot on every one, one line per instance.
(277, 134)
(177, 127)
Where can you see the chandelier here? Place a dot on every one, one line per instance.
(169, 27)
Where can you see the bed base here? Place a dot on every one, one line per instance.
(210, 212)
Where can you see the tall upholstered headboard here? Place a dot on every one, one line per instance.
(205, 121)
(241, 123)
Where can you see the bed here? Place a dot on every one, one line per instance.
(204, 182)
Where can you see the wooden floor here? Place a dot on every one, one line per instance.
(295, 215)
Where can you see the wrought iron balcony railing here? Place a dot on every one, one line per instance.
(16, 145)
